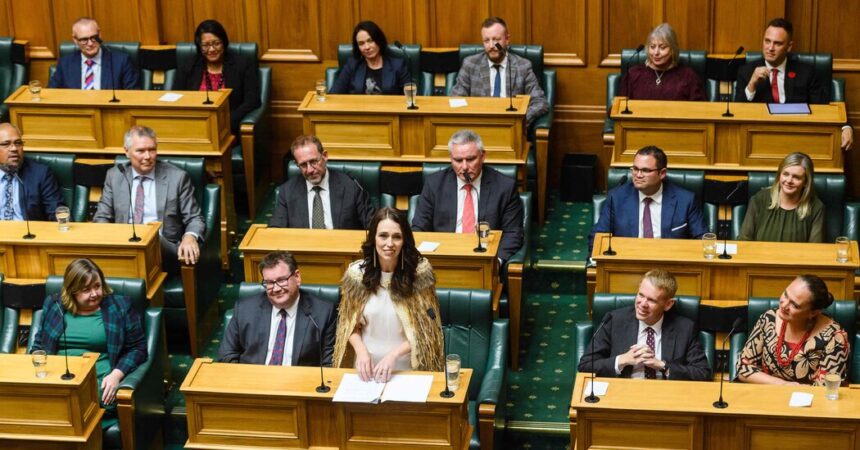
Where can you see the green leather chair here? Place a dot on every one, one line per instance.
(843, 312)
(75, 196)
(251, 159)
(481, 341)
(366, 173)
(685, 305)
(132, 49)
(140, 398)
(8, 325)
(12, 75)
(695, 59)
(538, 132)
(424, 79)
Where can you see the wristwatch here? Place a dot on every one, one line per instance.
(665, 370)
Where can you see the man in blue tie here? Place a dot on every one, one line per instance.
(488, 74)
(92, 68)
(24, 182)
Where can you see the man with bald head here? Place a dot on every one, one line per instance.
(28, 190)
(91, 67)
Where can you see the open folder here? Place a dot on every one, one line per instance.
(401, 388)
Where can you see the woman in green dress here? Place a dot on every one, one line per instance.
(95, 321)
(788, 211)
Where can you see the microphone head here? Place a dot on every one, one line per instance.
(398, 45)
(499, 47)
(739, 50)
(98, 39)
(467, 177)
(431, 313)
(737, 323)
(121, 168)
(640, 48)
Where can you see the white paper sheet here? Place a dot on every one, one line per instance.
(599, 387)
(733, 248)
(170, 97)
(407, 388)
(457, 102)
(353, 390)
(428, 247)
(800, 399)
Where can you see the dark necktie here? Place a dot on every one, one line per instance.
(139, 200)
(647, 228)
(650, 373)
(497, 87)
(318, 215)
(8, 205)
(89, 75)
(468, 222)
(774, 86)
(277, 358)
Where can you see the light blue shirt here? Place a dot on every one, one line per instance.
(97, 70)
(16, 196)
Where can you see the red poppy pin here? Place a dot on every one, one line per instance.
(791, 74)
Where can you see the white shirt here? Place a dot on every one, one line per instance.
(326, 202)
(503, 68)
(780, 80)
(656, 210)
(291, 332)
(16, 196)
(461, 200)
(97, 70)
(642, 339)
(150, 203)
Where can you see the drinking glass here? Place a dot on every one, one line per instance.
(40, 362)
(320, 89)
(409, 90)
(62, 214)
(452, 371)
(36, 90)
(709, 245)
(483, 230)
(831, 384)
(842, 246)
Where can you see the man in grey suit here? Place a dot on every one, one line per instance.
(282, 326)
(457, 198)
(648, 340)
(488, 74)
(146, 190)
(320, 198)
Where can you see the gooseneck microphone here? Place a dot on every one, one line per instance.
(322, 388)
(477, 249)
(731, 82)
(112, 71)
(68, 375)
(591, 398)
(23, 205)
(399, 46)
(627, 98)
(134, 237)
(504, 51)
(208, 101)
(720, 404)
(447, 392)
(609, 251)
(725, 254)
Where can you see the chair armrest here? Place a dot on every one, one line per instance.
(146, 76)
(711, 213)
(387, 200)
(851, 221)
(581, 337)
(492, 386)
(10, 330)
(450, 81)
(597, 203)
(255, 117)
(330, 76)
(837, 90)
(738, 214)
(737, 344)
(854, 375)
(81, 200)
(707, 339)
(169, 79)
(613, 80)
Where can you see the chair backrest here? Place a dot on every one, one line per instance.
(691, 180)
(12, 74)
(327, 292)
(411, 53)
(195, 167)
(467, 319)
(187, 51)
(366, 173)
(62, 165)
(685, 305)
(821, 62)
(534, 53)
(8, 325)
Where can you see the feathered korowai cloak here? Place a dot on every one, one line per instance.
(422, 332)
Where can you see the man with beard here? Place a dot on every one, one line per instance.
(28, 190)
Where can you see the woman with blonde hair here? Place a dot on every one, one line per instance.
(788, 211)
(662, 77)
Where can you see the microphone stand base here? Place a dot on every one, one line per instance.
(207, 102)
(412, 106)
(610, 252)
(725, 256)
(592, 399)
(114, 100)
(720, 404)
(134, 238)
(67, 376)
(479, 249)
(728, 114)
(446, 394)
(626, 111)
(511, 109)
(29, 236)
(322, 389)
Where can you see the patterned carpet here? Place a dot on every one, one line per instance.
(538, 394)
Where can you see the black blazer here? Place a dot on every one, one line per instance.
(350, 80)
(350, 203)
(41, 191)
(803, 87)
(499, 204)
(681, 349)
(239, 74)
(247, 337)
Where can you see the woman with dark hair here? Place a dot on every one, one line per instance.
(371, 69)
(96, 321)
(788, 211)
(795, 343)
(215, 68)
(383, 320)
(662, 77)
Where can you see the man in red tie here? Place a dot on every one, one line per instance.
(457, 198)
(779, 78)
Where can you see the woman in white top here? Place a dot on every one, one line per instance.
(384, 320)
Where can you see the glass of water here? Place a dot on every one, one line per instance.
(831, 384)
(409, 90)
(40, 362)
(709, 245)
(36, 90)
(842, 246)
(483, 229)
(452, 371)
(63, 215)
(320, 90)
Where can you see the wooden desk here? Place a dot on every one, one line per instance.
(760, 269)
(256, 406)
(695, 135)
(105, 243)
(49, 412)
(679, 414)
(85, 122)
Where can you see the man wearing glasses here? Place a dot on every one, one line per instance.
(28, 190)
(649, 206)
(320, 198)
(91, 68)
(281, 327)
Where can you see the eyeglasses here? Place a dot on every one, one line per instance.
(307, 164)
(643, 170)
(8, 144)
(213, 44)
(281, 282)
(84, 40)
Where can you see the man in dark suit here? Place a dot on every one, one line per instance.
(779, 78)
(488, 74)
(648, 340)
(39, 192)
(649, 206)
(280, 326)
(159, 192)
(92, 68)
(320, 198)
(457, 198)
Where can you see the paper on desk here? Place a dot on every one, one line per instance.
(733, 248)
(427, 246)
(600, 388)
(800, 399)
(170, 97)
(457, 102)
(408, 388)
(353, 390)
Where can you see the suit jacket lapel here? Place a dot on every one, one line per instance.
(161, 185)
(449, 190)
(485, 76)
(629, 211)
(667, 338)
(335, 197)
(123, 201)
(667, 210)
(301, 330)
(788, 82)
(484, 195)
(360, 75)
(631, 336)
